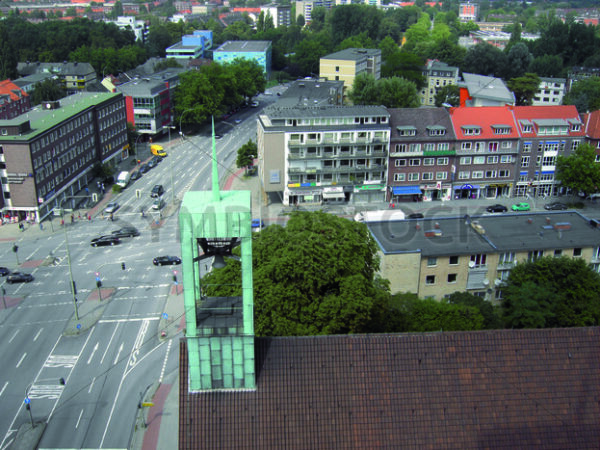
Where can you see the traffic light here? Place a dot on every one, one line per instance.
(74, 288)
(98, 283)
(123, 266)
(15, 248)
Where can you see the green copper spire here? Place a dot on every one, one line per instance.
(215, 168)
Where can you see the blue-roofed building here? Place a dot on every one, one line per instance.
(191, 46)
(259, 51)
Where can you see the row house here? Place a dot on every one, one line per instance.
(14, 101)
(592, 130)
(324, 154)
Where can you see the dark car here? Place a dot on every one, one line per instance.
(556, 206)
(415, 216)
(166, 260)
(105, 240)
(496, 208)
(151, 164)
(19, 277)
(125, 232)
(135, 175)
(144, 168)
(157, 159)
(4, 271)
(157, 191)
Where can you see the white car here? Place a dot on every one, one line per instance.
(238, 121)
(111, 207)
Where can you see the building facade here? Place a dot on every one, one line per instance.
(191, 46)
(326, 154)
(14, 101)
(48, 153)
(281, 14)
(75, 77)
(437, 75)
(258, 51)
(550, 92)
(479, 90)
(304, 8)
(139, 28)
(347, 64)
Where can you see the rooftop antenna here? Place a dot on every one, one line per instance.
(215, 169)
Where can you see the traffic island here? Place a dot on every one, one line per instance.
(172, 320)
(89, 311)
(29, 436)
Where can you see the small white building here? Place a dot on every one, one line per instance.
(550, 92)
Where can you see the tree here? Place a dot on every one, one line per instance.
(47, 90)
(316, 275)
(552, 292)
(246, 154)
(391, 92)
(547, 66)
(491, 315)
(518, 61)
(579, 171)
(364, 91)
(524, 88)
(484, 59)
(585, 95)
(449, 94)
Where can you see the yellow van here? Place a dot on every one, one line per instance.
(158, 150)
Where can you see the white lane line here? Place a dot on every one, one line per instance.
(118, 354)
(91, 385)
(162, 371)
(38, 334)
(108, 346)
(92, 354)
(3, 387)
(21, 360)
(77, 424)
(141, 319)
(13, 336)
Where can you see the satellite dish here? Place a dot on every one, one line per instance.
(471, 264)
(497, 281)
(486, 282)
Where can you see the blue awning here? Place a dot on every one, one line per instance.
(406, 190)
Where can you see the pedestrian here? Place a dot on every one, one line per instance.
(78, 216)
(89, 217)
(21, 227)
(72, 218)
(41, 226)
(102, 188)
(111, 217)
(62, 222)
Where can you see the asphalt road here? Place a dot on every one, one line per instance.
(107, 368)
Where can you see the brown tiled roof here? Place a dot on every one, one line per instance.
(487, 389)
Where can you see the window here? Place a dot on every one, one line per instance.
(506, 159)
(557, 253)
(432, 261)
(400, 163)
(464, 175)
(526, 147)
(465, 160)
(429, 147)
(534, 255)
(451, 278)
(524, 161)
(576, 252)
(479, 160)
(477, 174)
(471, 131)
(413, 177)
(337, 68)
(427, 176)
(453, 260)
(399, 177)
(430, 279)
(442, 161)
(575, 145)
(493, 147)
(506, 144)
(414, 162)
(443, 146)
(478, 260)
(492, 159)
(504, 173)
(401, 148)
(428, 161)
(465, 146)
(441, 175)
(491, 174)
(506, 258)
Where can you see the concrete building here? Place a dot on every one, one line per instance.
(550, 92)
(281, 14)
(14, 101)
(347, 64)
(48, 153)
(75, 77)
(304, 8)
(479, 90)
(437, 75)
(437, 257)
(326, 154)
(191, 46)
(467, 12)
(312, 93)
(27, 83)
(140, 28)
(259, 51)
(422, 155)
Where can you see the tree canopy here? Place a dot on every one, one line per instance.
(579, 171)
(524, 88)
(316, 275)
(552, 292)
(392, 92)
(584, 94)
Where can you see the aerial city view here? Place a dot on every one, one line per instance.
(300, 225)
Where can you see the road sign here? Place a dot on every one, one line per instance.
(27, 400)
(165, 316)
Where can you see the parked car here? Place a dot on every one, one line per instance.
(157, 159)
(4, 271)
(144, 168)
(238, 121)
(556, 206)
(157, 191)
(255, 104)
(105, 240)
(415, 216)
(257, 224)
(158, 203)
(521, 207)
(166, 260)
(152, 164)
(496, 208)
(125, 232)
(19, 277)
(135, 175)
(111, 207)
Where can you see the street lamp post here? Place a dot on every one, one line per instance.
(181, 117)
(171, 165)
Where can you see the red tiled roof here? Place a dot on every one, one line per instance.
(484, 117)
(592, 124)
(532, 113)
(461, 390)
(7, 87)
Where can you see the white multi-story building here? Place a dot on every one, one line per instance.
(550, 92)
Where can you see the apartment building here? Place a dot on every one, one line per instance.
(191, 46)
(259, 51)
(75, 76)
(14, 101)
(467, 12)
(139, 28)
(304, 8)
(325, 154)
(47, 154)
(437, 75)
(438, 256)
(422, 155)
(546, 132)
(487, 150)
(347, 64)
(550, 92)
(281, 14)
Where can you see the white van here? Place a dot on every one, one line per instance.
(123, 179)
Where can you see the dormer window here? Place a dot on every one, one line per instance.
(406, 131)
(436, 130)
(501, 129)
(471, 130)
(575, 125)
(526, 126)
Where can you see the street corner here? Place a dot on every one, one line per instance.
(29, 435)
(100, 294)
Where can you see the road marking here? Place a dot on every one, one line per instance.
(108, 346)
(91, 385)
(92, 354)
(3, 387)
(162, 371)
(118, 354)
(61, 361)
(13, 336)
(38, 334)
(21, 360)
(45, 391)
(80, 414)
(141, 319)
(139, 341)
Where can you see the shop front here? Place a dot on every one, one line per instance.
(334, 194)
(368, 193)
(406, 194)
(498, 190)
(438, 191)
(466, 191)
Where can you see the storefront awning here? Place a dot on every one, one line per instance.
(406, 190)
